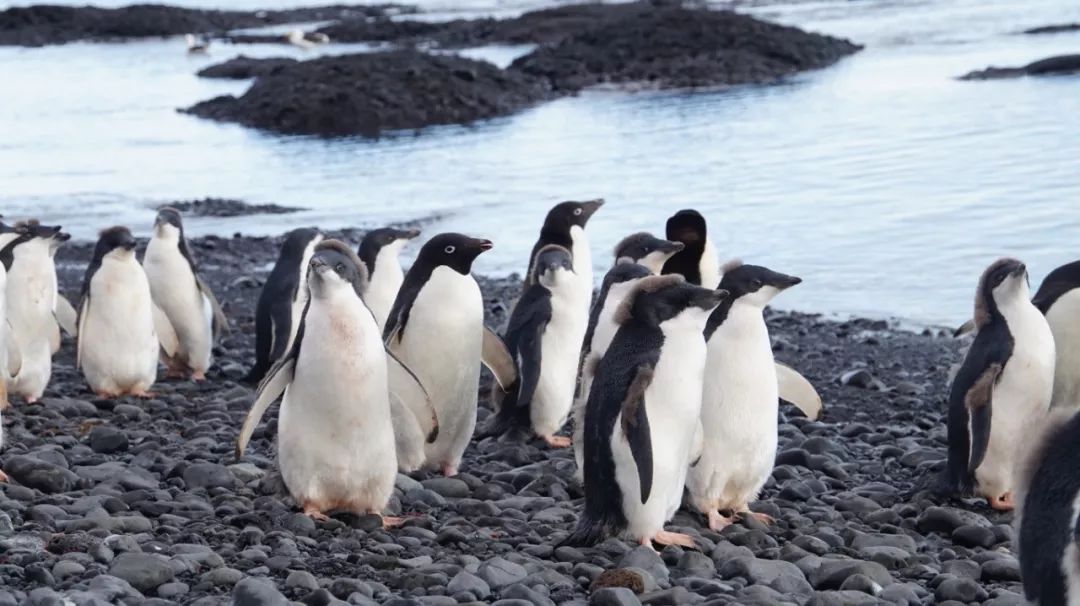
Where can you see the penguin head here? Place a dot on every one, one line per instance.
(388, 239)
(566, 215)
(658, 299)
(1004, 283)
(647, 250)
(334, 267)
(168, 224)
(553, 266)
(754, 284)
(456, 251)
(298, 240)
(688, 227)
(115, 242)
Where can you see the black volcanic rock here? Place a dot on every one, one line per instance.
(1054, 29)
(244, 67)
(1059, 65)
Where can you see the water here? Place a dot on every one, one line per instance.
(882, 181)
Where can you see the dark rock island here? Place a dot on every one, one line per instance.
(1051, 66)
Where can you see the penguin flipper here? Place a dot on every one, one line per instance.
(635, 426)
(496, 356)
(406, 388)
(268, 392)
(978, 401)
(220, 322)
(166, 334)
(408, 436)
(794, 388)
(697, 447)
(84, 307)
(965, 328)
(66, 316)
(14, 354)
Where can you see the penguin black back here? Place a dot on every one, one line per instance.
(742, 280)
(619, 273)
(1057, 283)
(688, 227)
(376, 239)
(557, 227)
(171, 216)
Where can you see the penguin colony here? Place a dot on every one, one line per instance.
(668, 374)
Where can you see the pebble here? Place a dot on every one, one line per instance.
(614, 596)
(144, 571)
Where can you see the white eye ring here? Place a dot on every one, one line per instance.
(577, 211)
(449, 250)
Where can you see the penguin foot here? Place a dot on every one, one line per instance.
(674, 538)
(312, 511)
(764, 518)
(392, 522)
(198, 376)
(31, 400)
(718, 522)
(142, 393)
(558, 441)
(3, 476)
(1003, 502)
(105, 395)
(449, 470)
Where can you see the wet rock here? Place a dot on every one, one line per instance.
(1054, 29)
(257, 592)
(35, 473)
(645, 558)
(961, 590)
(832, 573)
(782, 576)
(614, 596)
(225, 207)
(1001, 570)
(466, 581)
(1051, 66)
(144, 571)
(244, 67)
(107, 440)
(498, 572)
(208, 475)
(948, 519)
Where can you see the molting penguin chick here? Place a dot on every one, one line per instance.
(118, 345)
(740, 405)
(1047, 516)
(436, 327)
(187, 302)
(541, 338)
(336, 446)
(1009, 368)
(1058, 298)
(646, 249)
(282, 300)
(697, 261)
(380, 250)
(643, 412)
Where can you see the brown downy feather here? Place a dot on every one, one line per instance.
(645, 285)
(345, 249)
(982, 306)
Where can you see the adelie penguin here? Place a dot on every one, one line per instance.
(282, 300)
(564, 226)
(1005, 381)
(540, 337)
(436, 328)
(643, 413)
(118, 344)
(1058, 298)
(698, 261)
(380, 251)
(10, 356)
(740, 404)
(1047, 519)
(335, 437)
(187, 302)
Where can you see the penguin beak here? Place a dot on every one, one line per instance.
(670, 247)
(483, 245)
(129, 246)
(711, 298)
(590, 207)
(410, 234)
(1019, 270)
(782, 282)
(318, 264)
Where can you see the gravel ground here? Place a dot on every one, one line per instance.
(140, 501)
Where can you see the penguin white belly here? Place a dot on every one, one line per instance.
(739, 413)
(560, 347)
(174, 289)
(1023, 393)
(673, 406)
(29, 306)
(709, 266)
(5, 378)
(335, 438)
(1064, 319)
(118, 343)
(442, 344)
(383, 289)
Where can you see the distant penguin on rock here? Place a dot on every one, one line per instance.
(436, 328)
(380, 250)
(336, 446)
(1005, 382)
(740, 405)
(1047, 520)
(190, 305)
(1058, 298)
(282, 300)
(541, 338)
(118, 344)
(643, 413)
(698, 261)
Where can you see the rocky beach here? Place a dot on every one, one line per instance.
(141, 501)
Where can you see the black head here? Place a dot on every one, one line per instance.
(34, 228)
(114, 239)
(1003, 282)
(755, 283)
(297, 241)
(687, 226)
(169, 216)
(551, 260)
(1057, 283)
(626, 271)
(646, 249)
(456, 251)
(657, 299)
(565, 215)
(335, 265)
(376, 239)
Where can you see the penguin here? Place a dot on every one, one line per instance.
(297, 39)
(643, 413)
(188, 303)
(63, 311)
(436, 327)
(1058, 298)
(10, 356)
(697, 261)
(1047, 516)
(740, 404)
(196, 46)
(281, 302)
(336, 447)
(564, 225)
(118, 342)
(1007, 375)
(380, 250)
(540, 337)
(646, 249)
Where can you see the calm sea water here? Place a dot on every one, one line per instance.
(882, 181)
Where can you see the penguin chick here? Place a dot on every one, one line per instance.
(1009, 370)
(643, 413)
(540, 337)
(740, 403)
(646, 249)
(188, 303)
(335, 438)
(380, 251)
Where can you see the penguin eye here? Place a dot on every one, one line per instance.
(756, 283)
(577, 211)
(340, 268)
(449, 249)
